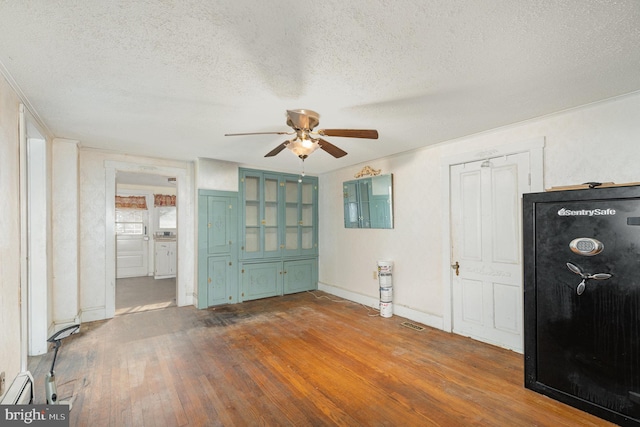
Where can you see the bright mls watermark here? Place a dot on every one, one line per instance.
(34, 415)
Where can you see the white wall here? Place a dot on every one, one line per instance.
(10, 342)
(597, 142)
(65, 232)
(216, 175)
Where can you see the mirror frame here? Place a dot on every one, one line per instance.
(368, 203)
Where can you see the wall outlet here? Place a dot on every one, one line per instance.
(2, 383)
(375, 274)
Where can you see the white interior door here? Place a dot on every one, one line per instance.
(132, 243)
(486, 248)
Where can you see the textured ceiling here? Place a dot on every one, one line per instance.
(170, 78)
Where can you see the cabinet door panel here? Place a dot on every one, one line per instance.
(261, 280)
(217, 280)
(300, 275)
(218, 232)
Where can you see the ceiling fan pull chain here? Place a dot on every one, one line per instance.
(302, 173)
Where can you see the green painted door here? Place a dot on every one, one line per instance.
(217, 248)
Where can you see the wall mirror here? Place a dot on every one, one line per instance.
(368, 202)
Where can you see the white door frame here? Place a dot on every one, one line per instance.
(535, 149)
(186, 265)
(34, 239)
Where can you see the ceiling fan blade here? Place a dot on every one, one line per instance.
(276, 150)
(259, 133)
(350, 133)
(331, 149)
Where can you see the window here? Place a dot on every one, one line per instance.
(167, 218)
(130, 222)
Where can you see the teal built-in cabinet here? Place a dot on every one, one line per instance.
(259, 242)
(278, 233)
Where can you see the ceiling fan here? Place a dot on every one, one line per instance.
(307, 140)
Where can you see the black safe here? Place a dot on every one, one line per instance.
(582, 299)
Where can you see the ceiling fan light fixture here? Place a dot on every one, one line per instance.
(302, 147)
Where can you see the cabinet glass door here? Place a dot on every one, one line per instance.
(299, 216)
(252, 217)
(291, 217)
(271, 220)
(308, 217)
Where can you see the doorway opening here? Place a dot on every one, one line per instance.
(136, 294)
(146, 237)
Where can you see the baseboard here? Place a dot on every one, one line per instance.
(92, 314)
(59, 324)
(400, 310)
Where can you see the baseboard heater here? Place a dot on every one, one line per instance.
(20, 392)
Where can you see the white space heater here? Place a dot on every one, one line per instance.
(20, 392)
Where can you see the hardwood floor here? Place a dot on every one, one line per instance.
(295, 360)
(135, 294)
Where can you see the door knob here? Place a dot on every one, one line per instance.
(456, 267)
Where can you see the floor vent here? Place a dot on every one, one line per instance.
(412, 326)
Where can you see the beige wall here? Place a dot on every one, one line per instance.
(10, 232)
(597, 142)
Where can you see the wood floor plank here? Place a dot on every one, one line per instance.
(293, 360)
